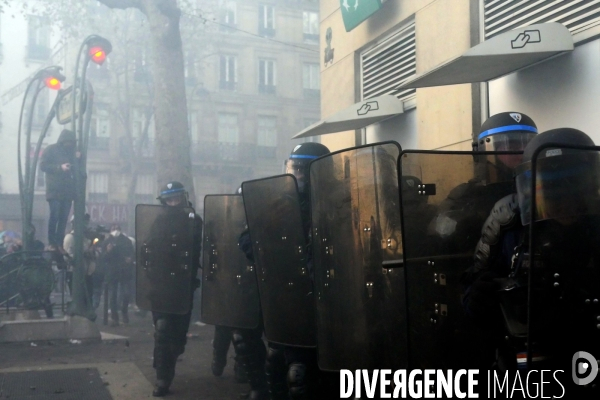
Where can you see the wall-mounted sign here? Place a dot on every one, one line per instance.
(356, 11)
(65, 106)
(328, 59)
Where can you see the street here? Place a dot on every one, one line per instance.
(124, 365)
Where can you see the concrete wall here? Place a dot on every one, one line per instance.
(444, 116)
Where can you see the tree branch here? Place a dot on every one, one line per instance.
(122, 4)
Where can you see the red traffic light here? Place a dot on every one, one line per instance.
(52, 83)
(97, 54)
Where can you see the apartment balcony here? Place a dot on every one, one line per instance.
(224, 153)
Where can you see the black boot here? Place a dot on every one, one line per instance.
(240, 372)
(161, 389)
(221, 343)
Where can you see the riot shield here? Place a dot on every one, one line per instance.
(229, 287)
(444, 206)
(279, 246)
(560, 205)
(361, 320)
(165, 265)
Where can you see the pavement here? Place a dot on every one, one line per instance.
(120, 364)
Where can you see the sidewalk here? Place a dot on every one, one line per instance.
(119, 368)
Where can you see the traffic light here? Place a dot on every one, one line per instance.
(97, 54)
(52, 83)
(98, 49)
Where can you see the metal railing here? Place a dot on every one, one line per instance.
(33, 280)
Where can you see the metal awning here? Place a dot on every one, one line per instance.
(357, 116)
(501, 55)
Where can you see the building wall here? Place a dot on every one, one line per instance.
(443, 28)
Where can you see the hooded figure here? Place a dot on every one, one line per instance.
(57, 162)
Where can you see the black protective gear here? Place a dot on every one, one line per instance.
(275, 369)
(505, 131)
(297, 381)
(161, 389)
(221, 343)
(170, 337)
(173, 189)
(566, 136)
(251, 353)
(301, 156)
(503, 216)
(560, 172)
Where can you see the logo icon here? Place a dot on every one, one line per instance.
(169, 186)
(584, 364)
(516, 116)
(368, 106)
(526, 37)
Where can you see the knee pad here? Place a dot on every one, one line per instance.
(240, 345)
(161, 331)
(297, 381)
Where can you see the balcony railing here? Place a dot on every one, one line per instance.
(218, 152)
(227, 85)
(267, 89)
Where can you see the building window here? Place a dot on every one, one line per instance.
(38, 40)
(145, 189)
(266, 137)
(266, 76)
(267, 131)
(98, 187)
(229, 131)
(140, 73)
(100, 129)
(310, 26)
(138, 123)
(193, 127)
(229, 136)
(189, 67)
(311, 79)
(266, 20)
(229, 12)
(228, 72)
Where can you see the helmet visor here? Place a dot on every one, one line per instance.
(566, 187)
(299, 168)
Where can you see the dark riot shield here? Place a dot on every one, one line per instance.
(164, 247)
(229, 287)
(445, 203)
(562, 213)
(361, 320)
(279, 246)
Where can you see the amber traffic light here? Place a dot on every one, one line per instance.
(97, 54)
(53, 83)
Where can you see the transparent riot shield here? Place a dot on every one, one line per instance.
(279, 245)
(356, 228)
(164, 249)
(446, 198)
(559, 197)
(229, 287)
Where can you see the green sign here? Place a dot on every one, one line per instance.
(356, 11)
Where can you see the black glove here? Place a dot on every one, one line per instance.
(481, 298)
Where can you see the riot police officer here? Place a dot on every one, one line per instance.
(301, 363)
(298, 364)
(556, 304)
(469, 204)
(170, 335)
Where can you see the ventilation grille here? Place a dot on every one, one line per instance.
(577, 15)
(387, 65)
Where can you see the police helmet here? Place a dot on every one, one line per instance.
(173, 190)
(507, 131)
(301, 156)
(567, 180)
